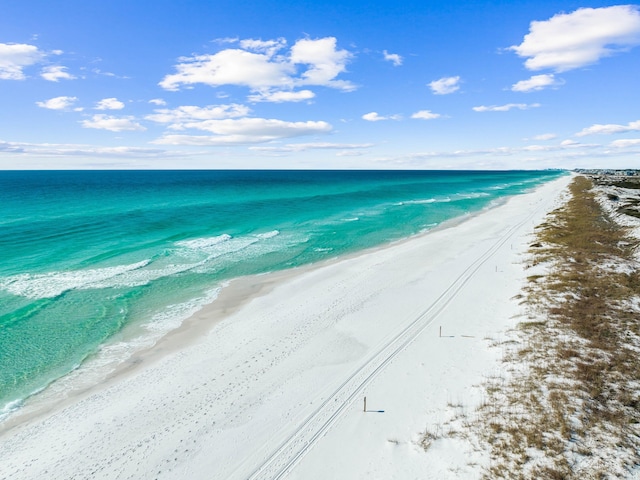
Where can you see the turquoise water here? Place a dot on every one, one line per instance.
(87, 255)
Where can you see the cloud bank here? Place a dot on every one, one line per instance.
(113, 124)
(301, 147)
(608, 129)
(244, 131)
(178, 117)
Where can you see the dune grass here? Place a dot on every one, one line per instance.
(567, 405)
(573, 397)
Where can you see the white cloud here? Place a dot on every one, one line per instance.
(244, 131)
(10, 147)
(505, 108)
(109, 104)
(189, 113)
(270, 47)
(14, 57)
(263, 127)
(324, 60)
(75, 150)
(158, 101)
(58, 103)
(374, 117)
(108, 74)
(536, 82)
(445, 85)
(113, 124)
(624, 143)
(281, 96)
(301, 147)
(425, 115)
(537, 148)
(545, 136)
(609, 129)
(258, 67)
(393, 58)
(55, 73)
(226, 40)
(572, 40)
(231, 67)
(204, 140)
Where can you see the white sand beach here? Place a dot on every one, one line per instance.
(273, 386)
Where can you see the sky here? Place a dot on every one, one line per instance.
(317, 84)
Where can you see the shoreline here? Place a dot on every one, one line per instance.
(266, 295)
(233, 295)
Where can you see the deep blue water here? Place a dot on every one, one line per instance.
(86, 254)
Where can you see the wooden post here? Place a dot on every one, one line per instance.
(441, 331)
(365, 405)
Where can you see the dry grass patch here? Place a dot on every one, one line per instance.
(568, 405)
(579, 395)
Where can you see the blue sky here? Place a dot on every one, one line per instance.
(471, 84)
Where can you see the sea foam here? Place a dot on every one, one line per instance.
(197, 253)
(53, 284)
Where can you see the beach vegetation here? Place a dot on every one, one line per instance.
(567, 402)
(578, 396)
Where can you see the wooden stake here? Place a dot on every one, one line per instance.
(365, 404)
(441, 331)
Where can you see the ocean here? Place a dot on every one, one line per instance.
(95, 265)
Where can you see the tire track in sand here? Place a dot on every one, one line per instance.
(286, 455)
